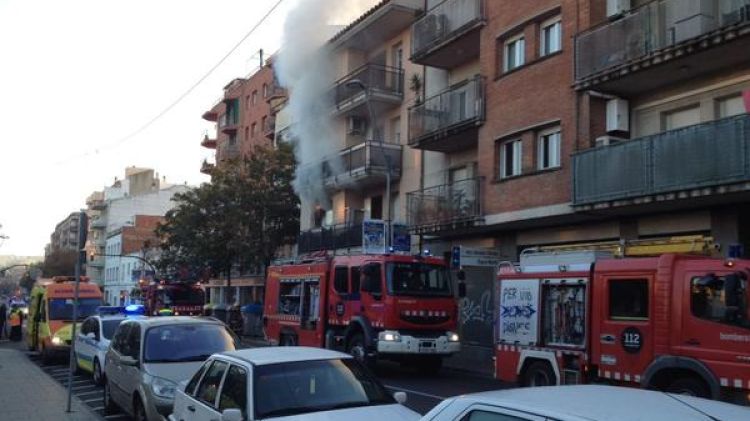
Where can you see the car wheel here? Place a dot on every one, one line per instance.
(139, 412)
(689, 386)
(539, 373)
(109, 405)
(97, 372)
(358, 350)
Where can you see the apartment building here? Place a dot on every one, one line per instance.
(245, 116)
(65, 236)
(95, 239)
(369, 117)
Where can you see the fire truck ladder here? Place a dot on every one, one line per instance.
(689, 244)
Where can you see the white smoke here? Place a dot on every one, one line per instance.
(306, 67)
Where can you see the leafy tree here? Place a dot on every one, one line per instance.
(59, 263)
(239, 219)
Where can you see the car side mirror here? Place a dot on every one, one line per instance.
(128, 360)
(400, 397)
(232, 414)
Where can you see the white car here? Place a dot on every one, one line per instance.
(287, 383)
(583, 403)
(92, 342)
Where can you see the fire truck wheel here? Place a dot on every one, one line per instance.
(690, 386)
(358, 350)
(538, 373)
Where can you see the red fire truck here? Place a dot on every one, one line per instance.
(373, 306)
(674, 322)
(181, 298)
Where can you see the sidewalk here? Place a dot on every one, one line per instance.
(28, 393)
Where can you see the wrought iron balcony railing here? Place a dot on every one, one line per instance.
(448, 20)
(445, 206)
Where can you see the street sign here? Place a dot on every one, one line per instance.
(374, 233)
(474, 256)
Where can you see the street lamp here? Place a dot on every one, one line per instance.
(357, 83)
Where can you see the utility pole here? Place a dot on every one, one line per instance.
(80, 256)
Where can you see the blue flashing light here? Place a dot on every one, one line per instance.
(135, 310)
(427, 252)
(391, 249)
(109, 310)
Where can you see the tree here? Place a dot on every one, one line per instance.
(240, 219)
(59, 263)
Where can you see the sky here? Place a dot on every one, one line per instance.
(77, 76)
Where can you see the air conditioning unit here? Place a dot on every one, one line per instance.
(618, 116)
(356, 126)
(616, 8)
(608, 140)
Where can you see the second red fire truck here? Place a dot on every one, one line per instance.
(674, 322)
(373, 306)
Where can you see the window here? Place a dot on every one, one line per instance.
(628, 299)
(551, 37)
(118, 343)
(514, 52)
(341, 279)
(190, 388)
(396, 130)
(731, 106)
(721, 299)
(510, 158)
(253, 130)
(186, 342)
(397, 54)
(355, 279)
(548, 149)
(255, 97)
(247, 102)
(209, 387)
(490, 416)
(264, 123)
(682, 118)
(373, 279)
(234, 390)
(247, 133)
(132, 346)
(265, 90)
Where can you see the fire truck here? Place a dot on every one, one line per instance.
(672, 322)
(181, 298)
(393, 307)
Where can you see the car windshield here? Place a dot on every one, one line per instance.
(406, 278)
(186, 342)
(109, 327)
(310, 386)
(62, 308)
(184, 296)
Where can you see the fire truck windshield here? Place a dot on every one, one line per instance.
(182, 295)
(418, 279)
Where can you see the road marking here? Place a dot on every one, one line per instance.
(89, 393)
(98, 408)
(109, 417)
(92, 399)
(85, 389)
(414, 392)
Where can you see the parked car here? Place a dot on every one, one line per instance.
(583, 403)
(92, 342)
(290, 383)
(149, 357)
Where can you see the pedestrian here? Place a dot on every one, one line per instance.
(15, 323)
(3, 316)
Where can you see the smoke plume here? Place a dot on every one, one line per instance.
(306, 67)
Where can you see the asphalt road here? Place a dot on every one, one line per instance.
(423, 391)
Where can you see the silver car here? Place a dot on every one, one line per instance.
(149, 357)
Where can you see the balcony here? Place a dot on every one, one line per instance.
(447, 35)
(98, 223)
(383, 85)
(450, 120)
(228, 151)
(228, 123)
(330, 238)
(208, 142)
(663, 42)
(207, 167)
(445, 208)
(709, 161)
(362, 166)
(97, 204)
(269, 128)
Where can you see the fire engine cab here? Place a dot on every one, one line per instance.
(394, 307)
(674, 322)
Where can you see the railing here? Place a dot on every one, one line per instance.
(700, 156)
(652, 27)
(444, 21)
(444, 204)
(457, 105)
(376, 79)
(230, 151)
(330, 238)
(97, 223)
(275, 91)
(207, 167)
(269, 127)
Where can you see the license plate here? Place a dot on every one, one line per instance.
(427, 346)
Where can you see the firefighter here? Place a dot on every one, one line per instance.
(15, 323)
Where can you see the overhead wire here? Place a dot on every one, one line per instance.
(179, 99)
